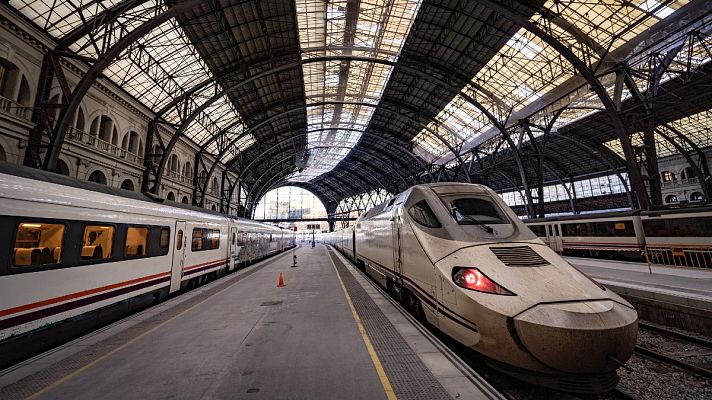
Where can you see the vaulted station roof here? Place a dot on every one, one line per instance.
(348, 96)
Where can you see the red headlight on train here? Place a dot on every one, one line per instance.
(474, 279)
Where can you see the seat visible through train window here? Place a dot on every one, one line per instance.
(422, 214)
(165, 237)
(136, 241)
(38, 244)
(205, 239)
(97, 242)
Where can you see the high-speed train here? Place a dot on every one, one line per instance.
(75, 255)
(458, 257)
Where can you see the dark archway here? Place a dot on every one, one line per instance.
(97, 177)
(62, 168)
(127, 184)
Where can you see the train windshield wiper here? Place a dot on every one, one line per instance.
(469, 218)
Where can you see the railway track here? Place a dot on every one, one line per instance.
(690, 347)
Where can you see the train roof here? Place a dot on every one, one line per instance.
(59, 179)
(677, 210)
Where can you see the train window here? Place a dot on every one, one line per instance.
(197, 242)
(205, 239)
(678, 227)
(38, 244)
(601, 229)
(164, 240)
(473, 210)
(136, 241)
(233, 238)
(97, 242)
(539, 230)
(422, 214)
(179, 240)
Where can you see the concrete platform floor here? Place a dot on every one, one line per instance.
(241, 337)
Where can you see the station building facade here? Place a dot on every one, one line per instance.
(107, 137)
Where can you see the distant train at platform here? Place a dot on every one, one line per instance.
(75, 255)
(676, 236)
(458, 257)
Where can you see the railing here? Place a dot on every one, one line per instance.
(86, 139)
(176, 176)
(680, 256)
(681, 182)
(14, 108)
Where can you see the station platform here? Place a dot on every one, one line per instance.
(328, 334)
(673, 296)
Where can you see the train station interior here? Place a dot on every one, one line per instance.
(356, 199)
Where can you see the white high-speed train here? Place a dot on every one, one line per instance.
(457, 256)
(70, 250)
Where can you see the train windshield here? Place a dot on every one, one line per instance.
(476, 211)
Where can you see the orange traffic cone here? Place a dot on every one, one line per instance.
(281, 281)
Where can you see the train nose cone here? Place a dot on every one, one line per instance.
(578, 337)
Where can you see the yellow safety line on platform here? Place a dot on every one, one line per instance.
(390, 394)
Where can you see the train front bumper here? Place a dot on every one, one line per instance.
(579, 337)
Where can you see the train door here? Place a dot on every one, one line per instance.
(554, 235)
(178, 256)
(232, 248)
(397, 260)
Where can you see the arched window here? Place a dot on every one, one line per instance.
(79, 120)
(103, 128)
(667, 176)
(23, 95)
(14, 86)
(127, 184)
(62, 168)
(687, 173)
(173, 163)
(3, 155)
(188, 170)
(171, 196)
(214, 185)
(132, 143)
(213, 207)
(697, 196)
(98, 177)
(185, 200)
(671, 199)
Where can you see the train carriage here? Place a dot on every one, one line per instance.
(69, 249)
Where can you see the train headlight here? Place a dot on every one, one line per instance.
(474, 279)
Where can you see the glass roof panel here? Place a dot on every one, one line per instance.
(370, 28)
(156, 69)
(697, 128)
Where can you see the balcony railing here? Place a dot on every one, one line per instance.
(176, 176)
(14, 108)
(86, 139)
(681, 182)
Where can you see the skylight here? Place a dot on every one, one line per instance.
(345, 89)
(177, 64)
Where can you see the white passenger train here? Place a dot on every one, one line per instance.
(70, 248)
(677, 236)
(458, 257)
